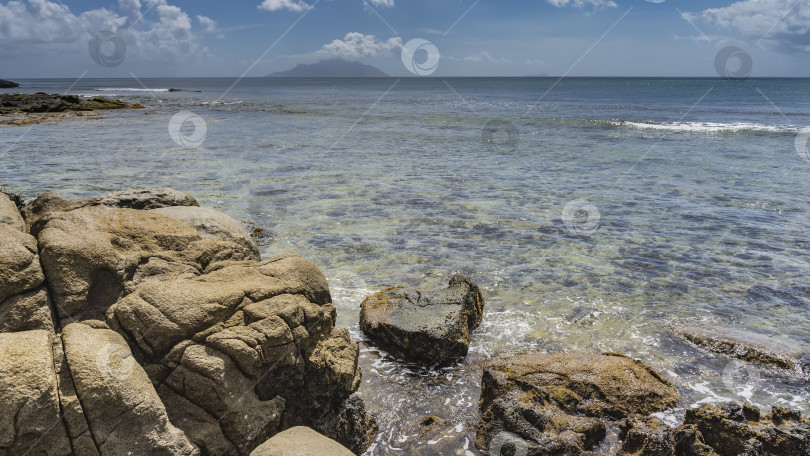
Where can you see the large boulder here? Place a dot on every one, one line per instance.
(300, 441)
(425, 326)
(555, 403)
(211, 224)
(30, 422)
(171, 338)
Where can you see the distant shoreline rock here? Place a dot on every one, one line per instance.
(24, 109)
(8, 84)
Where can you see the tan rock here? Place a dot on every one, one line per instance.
(10, 215)
(300, 441)
(39, 211)
(123, 409)
(20, 270)
(30, 422)
(212, 224)
(27, 311)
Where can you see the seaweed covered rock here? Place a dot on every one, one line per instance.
(425, 326)
(728, 429)
(555, 403)
(733, 429)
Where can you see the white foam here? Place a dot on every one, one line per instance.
(710, 127)
(128, 89)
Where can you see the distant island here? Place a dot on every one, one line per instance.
(332, 68)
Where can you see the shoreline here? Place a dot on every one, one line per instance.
(28, 109)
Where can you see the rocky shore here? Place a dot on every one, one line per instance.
(23, 109)
(8, 84)
(137, 322)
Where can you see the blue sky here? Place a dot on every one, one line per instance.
(45, 38)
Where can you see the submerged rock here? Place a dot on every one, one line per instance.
(555, 403)
(300, 441)
(426, 326)
(752, 347)
(169, 338)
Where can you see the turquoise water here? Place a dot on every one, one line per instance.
(692, 207)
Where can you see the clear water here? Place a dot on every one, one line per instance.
(698, 202)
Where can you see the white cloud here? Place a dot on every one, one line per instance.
(781, 23)
(208, 24)
(597, 4)
(42, 27)
(356, 45)
(386, 3)
(296, 6)
(485, 56)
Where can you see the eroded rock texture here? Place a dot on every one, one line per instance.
(555, 403)
(170, 336)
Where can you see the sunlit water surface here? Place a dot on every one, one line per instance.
(698, 202)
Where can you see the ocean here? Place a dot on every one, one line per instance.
(594, 213)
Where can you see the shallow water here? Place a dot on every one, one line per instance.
(697, 199)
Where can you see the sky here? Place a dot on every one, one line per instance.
(441, 38)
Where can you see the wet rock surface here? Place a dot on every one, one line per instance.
(431, 327)
(720, 430)
(162, 337)
(556, 403)
(748, 346)
(7, 84)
